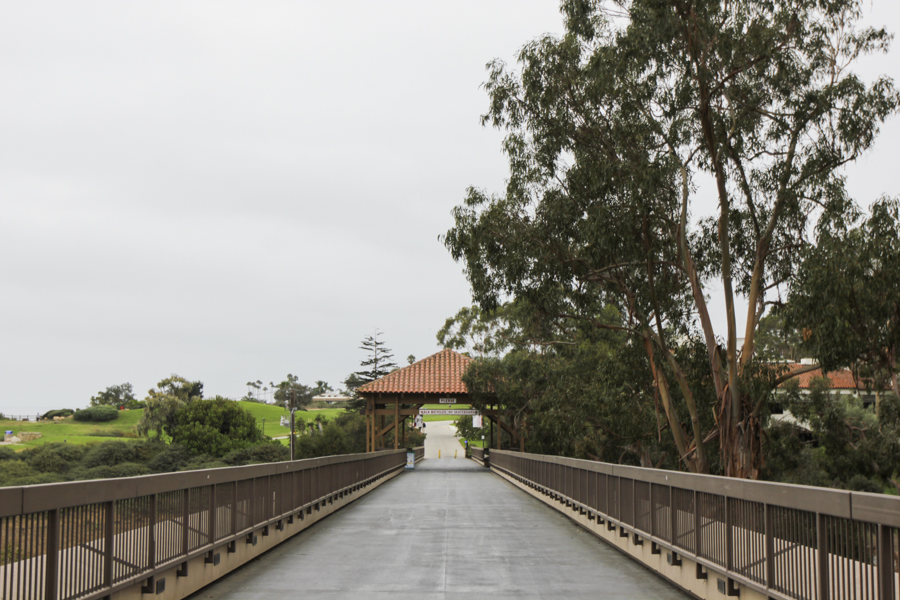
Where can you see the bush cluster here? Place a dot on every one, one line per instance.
(62, 412)
(97, 414)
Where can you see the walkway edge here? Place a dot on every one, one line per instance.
(683, 575)
(204, 570)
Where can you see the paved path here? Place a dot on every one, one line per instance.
(442, 436)
(448, 530)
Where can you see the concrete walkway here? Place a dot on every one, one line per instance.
(448, 530)
(441, 436)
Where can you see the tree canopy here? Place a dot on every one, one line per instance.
(846, 298)
(613, 130)
(163, 403)
(116, 395)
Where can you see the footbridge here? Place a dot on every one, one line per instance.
(500, 524)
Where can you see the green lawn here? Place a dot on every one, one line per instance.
(272, 414)
(78, 432)
(72, 431)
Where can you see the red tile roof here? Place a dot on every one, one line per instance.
(840, 380)
(440, 373)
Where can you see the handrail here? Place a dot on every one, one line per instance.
(89, 539)
(787, 541)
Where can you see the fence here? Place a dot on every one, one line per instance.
(89, 539)
(784, 541)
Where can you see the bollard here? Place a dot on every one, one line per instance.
(439, 453)
(455, 452)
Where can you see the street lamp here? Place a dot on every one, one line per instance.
(264, 426)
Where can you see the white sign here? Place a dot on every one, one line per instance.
(455, 412)
(447, 401)
(419, 422)
(476, 421)
(410, 460)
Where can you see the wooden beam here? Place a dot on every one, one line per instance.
(386, 429)
(396, 422)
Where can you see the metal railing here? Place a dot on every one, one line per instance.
(89, 539)
(786, 541)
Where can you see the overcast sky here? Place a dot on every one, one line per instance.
(236, 191)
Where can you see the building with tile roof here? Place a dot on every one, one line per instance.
(439, 374)
(436, 379)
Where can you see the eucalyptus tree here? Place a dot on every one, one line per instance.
(615, 129)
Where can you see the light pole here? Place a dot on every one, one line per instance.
(293, 410)
(264, 426)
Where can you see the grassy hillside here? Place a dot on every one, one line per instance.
(272, 414)
(76, 432)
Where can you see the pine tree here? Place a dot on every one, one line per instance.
(378, 363)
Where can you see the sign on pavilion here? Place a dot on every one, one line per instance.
(400, 395)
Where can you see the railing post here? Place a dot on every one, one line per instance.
(885, 563)
(185, 520)
(51, 567)
(151, 534)
(697, 522)
(673, 517)
(108, 537)
(212, 513)
(234, 508)
(822, 551)
(729, 536)
(770, 545)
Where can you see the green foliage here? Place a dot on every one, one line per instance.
(173, 457)
(16, 473)
(835, 442)
(777, 341)
(858, 270)
(97, 414)
(215, 427)
(610, 130)
(53, 458)
(7, 453)
(116, 396)
(109, 454)
(63, 412)
(344, 435)
(125, 469)
(377, 364)
(290, 393)
(266, 452)
(164, 402)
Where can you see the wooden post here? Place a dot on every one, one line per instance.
(370, 426)
(499, 432)
(396, 422)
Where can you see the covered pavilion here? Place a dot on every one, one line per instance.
(401, 394)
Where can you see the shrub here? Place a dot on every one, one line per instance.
(204, 461)
(108, 454)
(127, 469)
(54, 458)
(262, 453)
(15, 470)
(63, 412)
(97, 414)
(172, 458)
(8, 453)
(215, 427)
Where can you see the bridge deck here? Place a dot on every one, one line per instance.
(449, 529)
